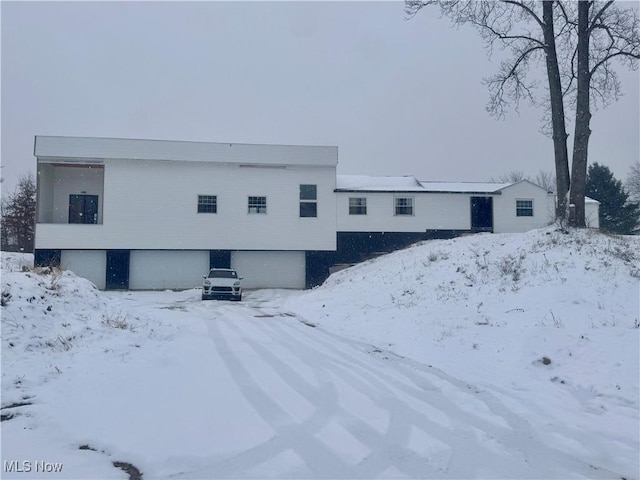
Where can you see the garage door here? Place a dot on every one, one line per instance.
(270, 269)
(163, 269)
(89, 264)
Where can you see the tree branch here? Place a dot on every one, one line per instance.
(598, 15)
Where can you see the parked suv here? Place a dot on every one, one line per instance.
(222, 283)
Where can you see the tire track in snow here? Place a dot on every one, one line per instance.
(411, 394)
(386, 451)
(289, 435)
(526, 450)
(519, 438)
(380, 447)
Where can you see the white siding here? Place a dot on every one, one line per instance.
(270, 269)
(505, 219)
(157, 270)
(153, 205)
(90, 264)
(591, 210)
(432, 211)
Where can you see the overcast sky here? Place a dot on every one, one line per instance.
(397, 97)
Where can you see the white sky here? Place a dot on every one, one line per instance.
(397, 97)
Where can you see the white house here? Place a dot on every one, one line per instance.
(404, 204)
(148, 214)
(145, 214)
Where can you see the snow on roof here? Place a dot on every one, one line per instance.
(464, 187)
(378, 184)
(409, 183)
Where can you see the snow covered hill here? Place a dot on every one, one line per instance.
(548, 319)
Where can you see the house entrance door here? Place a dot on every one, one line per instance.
(117, 270)
(83, 208)
(482, 214)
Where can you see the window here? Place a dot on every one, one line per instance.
(308, 201)
(215, 273)
(524, 208)
(404, 205)
(83, 209)
(207, 204)
(357, 206)
(257, 204)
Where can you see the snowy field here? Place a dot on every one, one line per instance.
(488, 356)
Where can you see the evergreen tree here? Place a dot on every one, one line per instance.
(617, 213)
(19, 216)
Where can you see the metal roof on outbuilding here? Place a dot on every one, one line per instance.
(364, 183)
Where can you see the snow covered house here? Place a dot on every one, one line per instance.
(150, 214)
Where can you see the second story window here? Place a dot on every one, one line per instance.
(207, 204)
(257, 205)
(308, 200)
(357, 206)
(403, 206)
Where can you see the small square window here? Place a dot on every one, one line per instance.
(524, 208)
(308, 209)
(308, 192)
(357, 206)
(207, 204)
(404, 205)
(257, 204)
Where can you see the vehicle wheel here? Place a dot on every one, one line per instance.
(237, 298)
(204, 297)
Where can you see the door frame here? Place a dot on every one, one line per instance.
(82, 206)
(488, 205)
(118, 265)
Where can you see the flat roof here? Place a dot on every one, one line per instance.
(91, 148)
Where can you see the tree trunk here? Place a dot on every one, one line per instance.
(583, 118)
(561, 154)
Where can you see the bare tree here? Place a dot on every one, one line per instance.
(510, 177)
(544, 179)
(604, 33)
(579, 42)
(633, 182)
(526, 29)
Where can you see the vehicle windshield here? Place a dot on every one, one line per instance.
(223, 274)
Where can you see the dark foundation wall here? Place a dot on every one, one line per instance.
(47, 258)
(355, 247)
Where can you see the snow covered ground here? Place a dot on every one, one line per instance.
(489, 356)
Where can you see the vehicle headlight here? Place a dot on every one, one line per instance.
(207, 282)
(236, 284)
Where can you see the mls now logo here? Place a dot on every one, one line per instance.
(27, 466)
